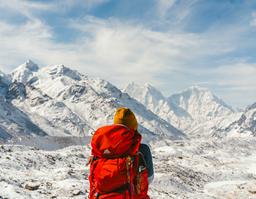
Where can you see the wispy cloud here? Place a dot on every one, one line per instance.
(121, 50)
(24, 7)
(253, 20)
(163, 6)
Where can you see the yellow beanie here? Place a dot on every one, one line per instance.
(126, 117)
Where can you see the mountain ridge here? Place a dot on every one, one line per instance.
(201, 103)
(57, 96)
(61, 101)
(154, 100)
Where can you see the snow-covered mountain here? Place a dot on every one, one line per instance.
(61, 101)
(238, 124)
(201, 104)
(4, 79)
(244, 125)
(24, 72)
(214, 127)
(187, 110)
(3, 84)
(14, 122)
(154, 100)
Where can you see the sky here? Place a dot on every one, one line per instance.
(170, 44)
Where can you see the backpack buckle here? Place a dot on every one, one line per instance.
(97, 195)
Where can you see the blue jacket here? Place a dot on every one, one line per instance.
(145, 150)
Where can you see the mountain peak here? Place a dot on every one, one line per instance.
(24, 72)
(62, 70)
(154, 100)
(28, 65)
(144, 92)
(149, 86)
(253, 106)
(201, 103)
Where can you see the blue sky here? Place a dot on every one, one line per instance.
(171, 44)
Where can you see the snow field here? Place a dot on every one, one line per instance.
(197, 169)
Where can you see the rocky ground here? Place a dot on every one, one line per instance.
(197, 168)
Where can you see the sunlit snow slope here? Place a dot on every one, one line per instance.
(63, 102)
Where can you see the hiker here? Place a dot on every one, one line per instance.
(121, 167)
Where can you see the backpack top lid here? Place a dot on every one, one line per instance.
(114, 141)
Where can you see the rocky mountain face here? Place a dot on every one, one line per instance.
(15, 123)
(24, 72)
(153, 99)
(244, 125)
(197, 111)
(188, 109)
(59, 101)
(201, 104)
(63, 102)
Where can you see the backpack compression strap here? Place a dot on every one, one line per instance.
(129, 171)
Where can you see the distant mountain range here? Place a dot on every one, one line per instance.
(59, 101)
(186, 109)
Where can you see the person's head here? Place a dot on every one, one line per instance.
(126, 117)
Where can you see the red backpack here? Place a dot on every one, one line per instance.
(117, 170)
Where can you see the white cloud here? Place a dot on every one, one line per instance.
(127, 51)
(25, 7)
(18, 42)
(253, 20)
(29, 8)
(118, 51)
(124, 49)
(234, 82)
(163, 6)
(236, 76)
(94, 3)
